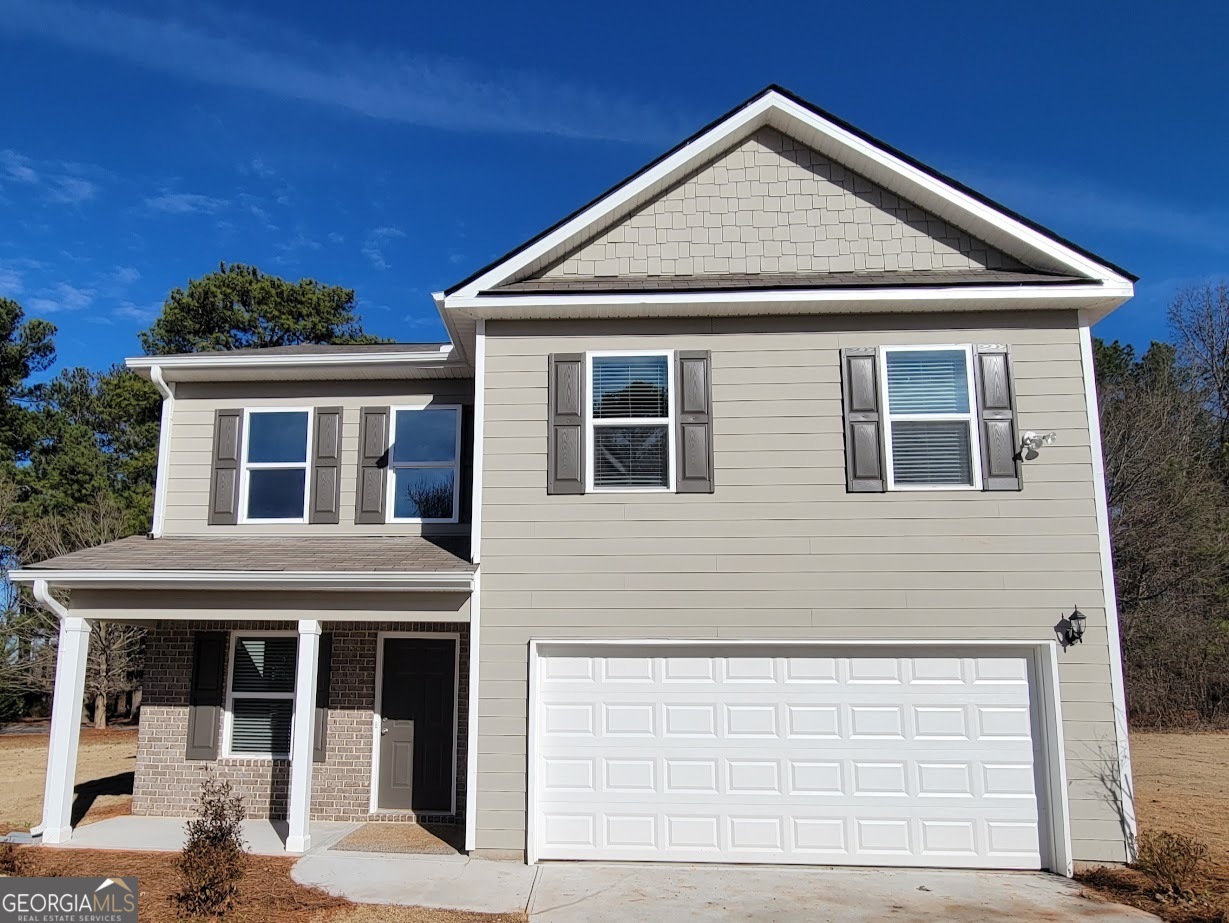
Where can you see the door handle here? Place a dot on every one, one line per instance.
(383, 729)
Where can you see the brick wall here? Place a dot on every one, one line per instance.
(167, 784)
(772, 204)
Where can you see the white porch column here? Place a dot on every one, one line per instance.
(299, 839)
(65, 725)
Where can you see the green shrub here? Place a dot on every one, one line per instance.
(214, 857)
(1174, 862)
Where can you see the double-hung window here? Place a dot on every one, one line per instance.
(261, 695)
(275, 466)
(631, 421)
(424, 464)
(930, 426)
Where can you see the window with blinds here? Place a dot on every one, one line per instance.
(262, 694)
(630, 416)
(930, 426)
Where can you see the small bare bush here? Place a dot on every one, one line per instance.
(214, 858)
(1174, 862)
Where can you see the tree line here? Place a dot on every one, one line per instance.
(78, 457)
(79, 454)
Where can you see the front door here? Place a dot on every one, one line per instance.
(417, 725)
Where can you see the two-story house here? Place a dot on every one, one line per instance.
(721, 530)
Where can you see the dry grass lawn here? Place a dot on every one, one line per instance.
(105, 760)
(1181, 785)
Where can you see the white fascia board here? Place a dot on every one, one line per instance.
(425, 581)
(494, 306)
(224, 360)
(780, 111)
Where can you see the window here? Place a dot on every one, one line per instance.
(275, 466)
(930, 427)
(423, 464)
(260, 699)
(631, 431)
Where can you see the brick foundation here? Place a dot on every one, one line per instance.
(168, 784)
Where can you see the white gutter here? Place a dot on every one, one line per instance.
(421, 581)
(164, 448)
(226, 360)
(42, 592)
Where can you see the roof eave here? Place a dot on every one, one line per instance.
(401, 581)
(1094, 297)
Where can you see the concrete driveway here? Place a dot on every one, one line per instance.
(594, 893)
(591, 892)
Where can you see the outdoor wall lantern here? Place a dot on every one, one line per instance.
(1070, 628)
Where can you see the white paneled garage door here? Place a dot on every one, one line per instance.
(729, 755)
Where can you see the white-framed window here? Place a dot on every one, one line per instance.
(260, 694)
(930, 418)
(275, 463)
(424, 464)
(629, 420)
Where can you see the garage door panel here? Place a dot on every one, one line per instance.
(793, 759)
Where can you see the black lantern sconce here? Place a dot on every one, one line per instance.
(1070, 628)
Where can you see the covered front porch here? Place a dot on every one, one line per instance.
(322, 697)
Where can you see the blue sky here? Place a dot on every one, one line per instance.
(394, 148)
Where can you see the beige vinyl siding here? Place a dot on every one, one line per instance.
(780, 550)
(191, 446)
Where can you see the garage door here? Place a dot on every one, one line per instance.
(726, 757)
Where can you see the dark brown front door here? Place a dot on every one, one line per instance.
(417, 722)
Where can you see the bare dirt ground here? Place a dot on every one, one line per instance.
(105, 761)
(1181, 785)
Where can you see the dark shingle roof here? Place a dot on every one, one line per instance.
(790, 280)
(317, 349)
(271, 554)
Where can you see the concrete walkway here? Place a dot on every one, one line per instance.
(166, 834)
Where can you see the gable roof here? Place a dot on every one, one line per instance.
(882, 163)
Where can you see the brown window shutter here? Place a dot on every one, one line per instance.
(694, 465)
(996, 410)
(372, 465)
(206, 695)
(224, 478)
(326, 466)
(565, 451)
(323, 671)
(863, 420)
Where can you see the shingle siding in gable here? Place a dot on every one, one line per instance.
(773, 205)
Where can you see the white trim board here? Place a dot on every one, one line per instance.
(1109, 591)
(373, 795)
(421, 581)
(996, 227)
(1047, 710)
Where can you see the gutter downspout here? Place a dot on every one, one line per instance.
(164, 448)
(42, 593)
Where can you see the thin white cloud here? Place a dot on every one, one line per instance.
(18, 167)
(411, 88)
(125, 275)
(184, 203)
(377, 239)
(126, 310)
(61, 297)
(70, 190)
(12, 283)
(1087, 204)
